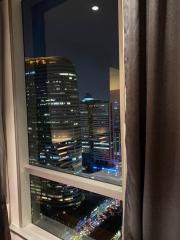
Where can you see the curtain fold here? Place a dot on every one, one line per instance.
(152, 76)
(4, 224)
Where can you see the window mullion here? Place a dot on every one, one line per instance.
(102, 188)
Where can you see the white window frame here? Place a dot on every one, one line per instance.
(16, 133)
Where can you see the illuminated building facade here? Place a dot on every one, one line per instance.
(53, 113)
(49, 197)
(58, 195)
(95, 133)
(115, 112)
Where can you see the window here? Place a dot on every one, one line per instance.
(69, 161)
(77, 132)
(71, 213)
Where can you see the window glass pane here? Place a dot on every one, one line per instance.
(72, 86)
(74, 214)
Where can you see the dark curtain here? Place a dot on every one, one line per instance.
(4, 225)
(152, 76)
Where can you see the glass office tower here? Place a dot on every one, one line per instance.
(95, 131)
(53, 113)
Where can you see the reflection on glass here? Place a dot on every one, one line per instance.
(74, 214)
(72, 86)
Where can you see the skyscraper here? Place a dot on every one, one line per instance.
(53, 113)
(51, 198)
(59, 195)
(95, 133)
(115, 112)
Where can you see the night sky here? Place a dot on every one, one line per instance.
(72, 30)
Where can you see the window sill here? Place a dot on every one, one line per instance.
(32, 232)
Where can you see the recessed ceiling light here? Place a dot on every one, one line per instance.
(95, 8)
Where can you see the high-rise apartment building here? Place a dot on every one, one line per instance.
(53, 113)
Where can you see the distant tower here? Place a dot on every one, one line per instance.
(115, 112)
(95, 134)
(53, 113)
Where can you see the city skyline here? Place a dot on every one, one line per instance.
(64, 131)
